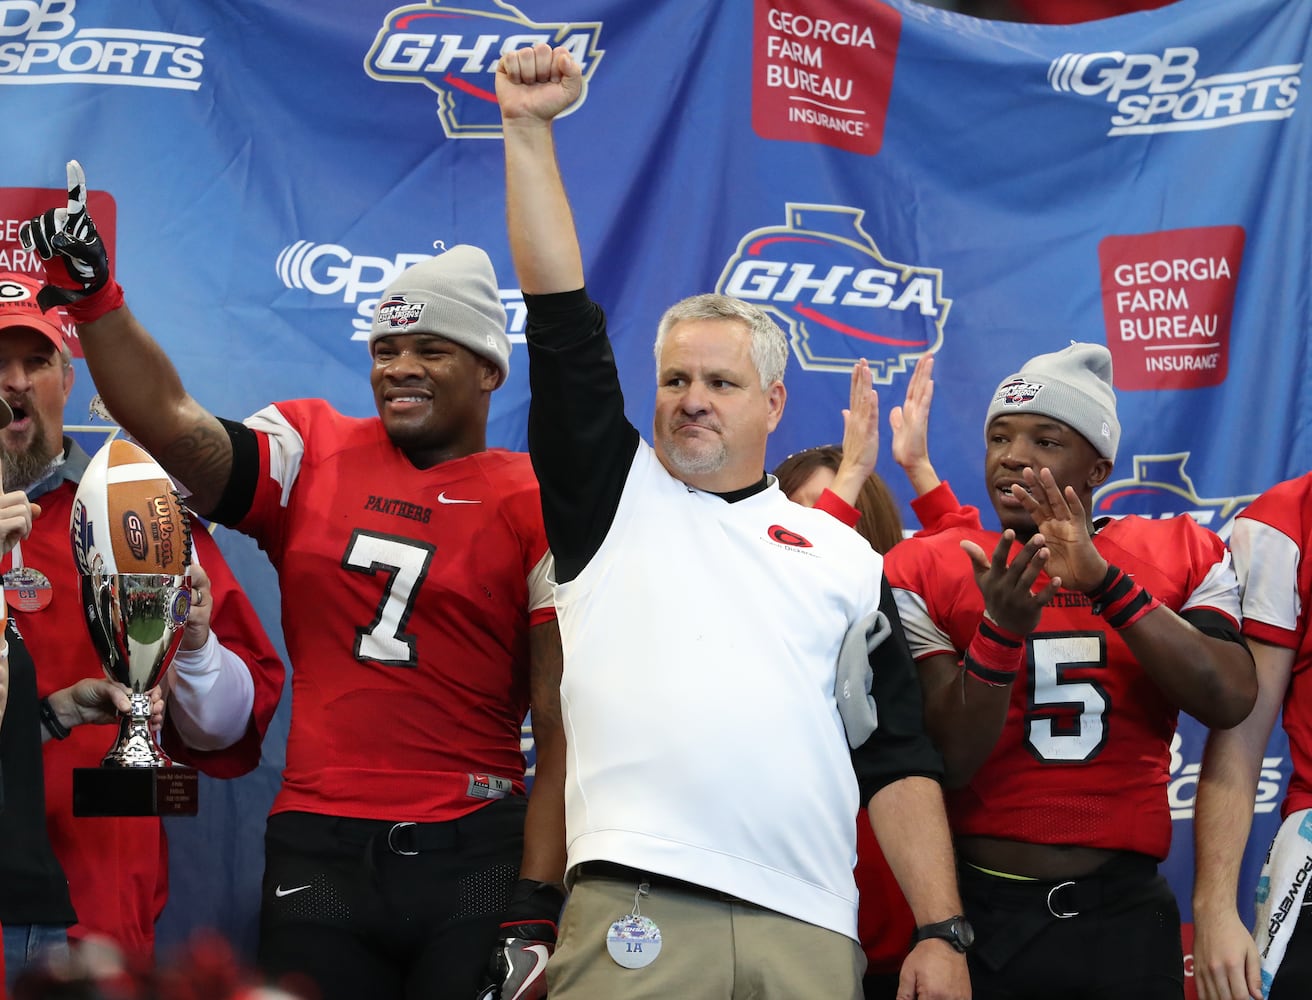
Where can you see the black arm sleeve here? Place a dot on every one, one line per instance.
(580, 442)
(1215, 624)
(899, 746)
(240, 491)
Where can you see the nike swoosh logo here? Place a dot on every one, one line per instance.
(279, 891)
(443, 498)
(540, 957)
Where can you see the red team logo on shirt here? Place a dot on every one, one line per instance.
(785, 537)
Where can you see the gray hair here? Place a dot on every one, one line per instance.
(769, 349)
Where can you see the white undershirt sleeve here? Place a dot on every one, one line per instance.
(212, 696)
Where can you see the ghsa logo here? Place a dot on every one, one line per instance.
(1161, 488)
(454, 48)
(397, 313)
(823, 278)
(82, 534)
(1018, 392)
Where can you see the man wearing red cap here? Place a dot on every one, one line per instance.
(225, 684)
(35, 909)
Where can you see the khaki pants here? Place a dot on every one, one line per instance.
(712, 948)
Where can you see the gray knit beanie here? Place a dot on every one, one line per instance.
(1074, 386)
(453, 295)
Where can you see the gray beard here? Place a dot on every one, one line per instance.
(24, 469)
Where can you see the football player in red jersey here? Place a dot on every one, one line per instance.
(1271, 542)
(402, 849)
(1053, 682)
(225, 684)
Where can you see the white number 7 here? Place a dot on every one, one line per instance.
(405, 562)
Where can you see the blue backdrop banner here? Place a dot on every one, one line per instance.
(887, 179)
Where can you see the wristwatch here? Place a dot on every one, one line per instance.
(956, 931)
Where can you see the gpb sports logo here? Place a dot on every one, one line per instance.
(836, 295)
(49, 47)
(453, 48)
(1164, 93)
(333, 271)
(1161, 488)
(1182, 791)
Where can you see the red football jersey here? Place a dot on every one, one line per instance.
(407, 596)
(117, 868)
(1084, 756)
(1271, 541)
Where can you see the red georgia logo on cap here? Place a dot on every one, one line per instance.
(12, 292)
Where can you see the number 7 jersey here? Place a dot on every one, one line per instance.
(407, 597)
(1084, 755)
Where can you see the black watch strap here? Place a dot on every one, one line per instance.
(956, 931)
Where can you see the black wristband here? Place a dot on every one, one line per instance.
(54, 727)
(1114, 585)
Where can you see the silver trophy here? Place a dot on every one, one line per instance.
(132, 546)
(136, 622)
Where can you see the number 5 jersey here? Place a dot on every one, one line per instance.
(1084, 755)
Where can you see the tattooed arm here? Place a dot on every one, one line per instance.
(143, 392)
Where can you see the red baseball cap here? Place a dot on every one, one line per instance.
(19, 310)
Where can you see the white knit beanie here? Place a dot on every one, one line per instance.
(453, 295)
(1074, 386)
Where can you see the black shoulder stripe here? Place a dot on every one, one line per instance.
(1213, 623)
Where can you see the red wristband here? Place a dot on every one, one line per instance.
(104, 299)
(995, 655)
(1120, 600)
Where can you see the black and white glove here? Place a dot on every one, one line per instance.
(518, 969)
(77, 265)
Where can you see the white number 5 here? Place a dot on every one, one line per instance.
(1051, 694)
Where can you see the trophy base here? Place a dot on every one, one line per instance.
(135, 791)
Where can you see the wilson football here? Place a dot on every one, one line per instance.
(127, 517)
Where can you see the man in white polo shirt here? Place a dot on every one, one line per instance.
(710, 790)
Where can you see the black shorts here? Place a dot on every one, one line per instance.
(378, 909)
(1114, 935)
